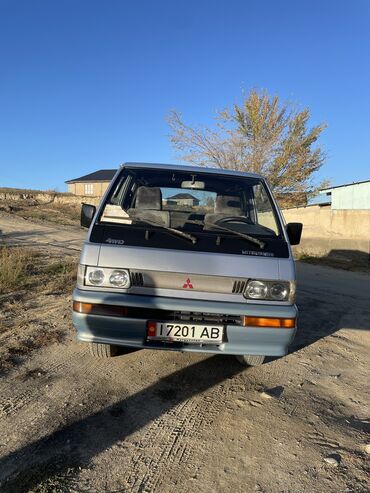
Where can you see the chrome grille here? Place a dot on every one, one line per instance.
(184, 281)
(203, 317)
(239, 286)
(137, 279)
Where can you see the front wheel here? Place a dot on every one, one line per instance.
(250, 359)
(103, 350)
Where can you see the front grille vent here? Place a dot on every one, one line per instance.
(202, 317)
(239, 287)
(137, 279)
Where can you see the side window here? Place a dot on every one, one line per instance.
(264, 213)
(114, 209)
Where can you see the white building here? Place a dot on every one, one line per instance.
(350, 196)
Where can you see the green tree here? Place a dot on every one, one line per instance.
(261, 135)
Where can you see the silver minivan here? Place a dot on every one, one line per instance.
(188, 259)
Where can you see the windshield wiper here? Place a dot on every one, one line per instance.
(174, 231)
(251, 239)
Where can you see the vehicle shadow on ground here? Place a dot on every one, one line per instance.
(76, 444)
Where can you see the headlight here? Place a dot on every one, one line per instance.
(256, 290)
(119, 278)
(107, 278)
(279, 291)
(96, 277)
(270, 290)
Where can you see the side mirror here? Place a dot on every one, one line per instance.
(87, 214)
(294, 231)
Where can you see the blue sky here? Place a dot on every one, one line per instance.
(86, 85)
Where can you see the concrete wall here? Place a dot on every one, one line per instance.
(337, 233)
(97, 188)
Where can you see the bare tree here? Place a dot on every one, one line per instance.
(261, 135)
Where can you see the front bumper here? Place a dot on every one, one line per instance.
(132, 332)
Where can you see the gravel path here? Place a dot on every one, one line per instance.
(152, 421)
(53, 237)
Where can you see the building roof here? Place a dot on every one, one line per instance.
(345, 185)
(182, 196)
(100, 175)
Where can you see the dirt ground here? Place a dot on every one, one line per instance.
(153, 421)
(54, 208)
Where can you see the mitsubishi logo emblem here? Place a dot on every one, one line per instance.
(188, 284)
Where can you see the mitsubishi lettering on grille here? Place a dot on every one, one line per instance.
(188, 284)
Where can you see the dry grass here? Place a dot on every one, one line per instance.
(15, 264)
(34, 306)
(24, 338)
(61, 276)
(32, 191)
(25, 268)
(52, 207)
(19, 190)
(335, 262)
(67, 214)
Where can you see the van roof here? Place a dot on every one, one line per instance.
(198, 169)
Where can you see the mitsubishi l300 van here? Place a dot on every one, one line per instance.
(188, 259)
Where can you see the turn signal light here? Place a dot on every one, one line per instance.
(98, 309)
(277, 323)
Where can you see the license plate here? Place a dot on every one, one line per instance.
(206, 334)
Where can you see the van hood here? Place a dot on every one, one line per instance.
(203, 263)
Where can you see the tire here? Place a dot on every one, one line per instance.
(103, 351)
(250, 359)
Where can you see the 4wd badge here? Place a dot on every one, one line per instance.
(113, 241)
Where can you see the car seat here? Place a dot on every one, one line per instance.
(148, 205)
(225, 206)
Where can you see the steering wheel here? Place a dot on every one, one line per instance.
(230, 219)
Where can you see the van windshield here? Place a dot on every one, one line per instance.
(190, 210)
